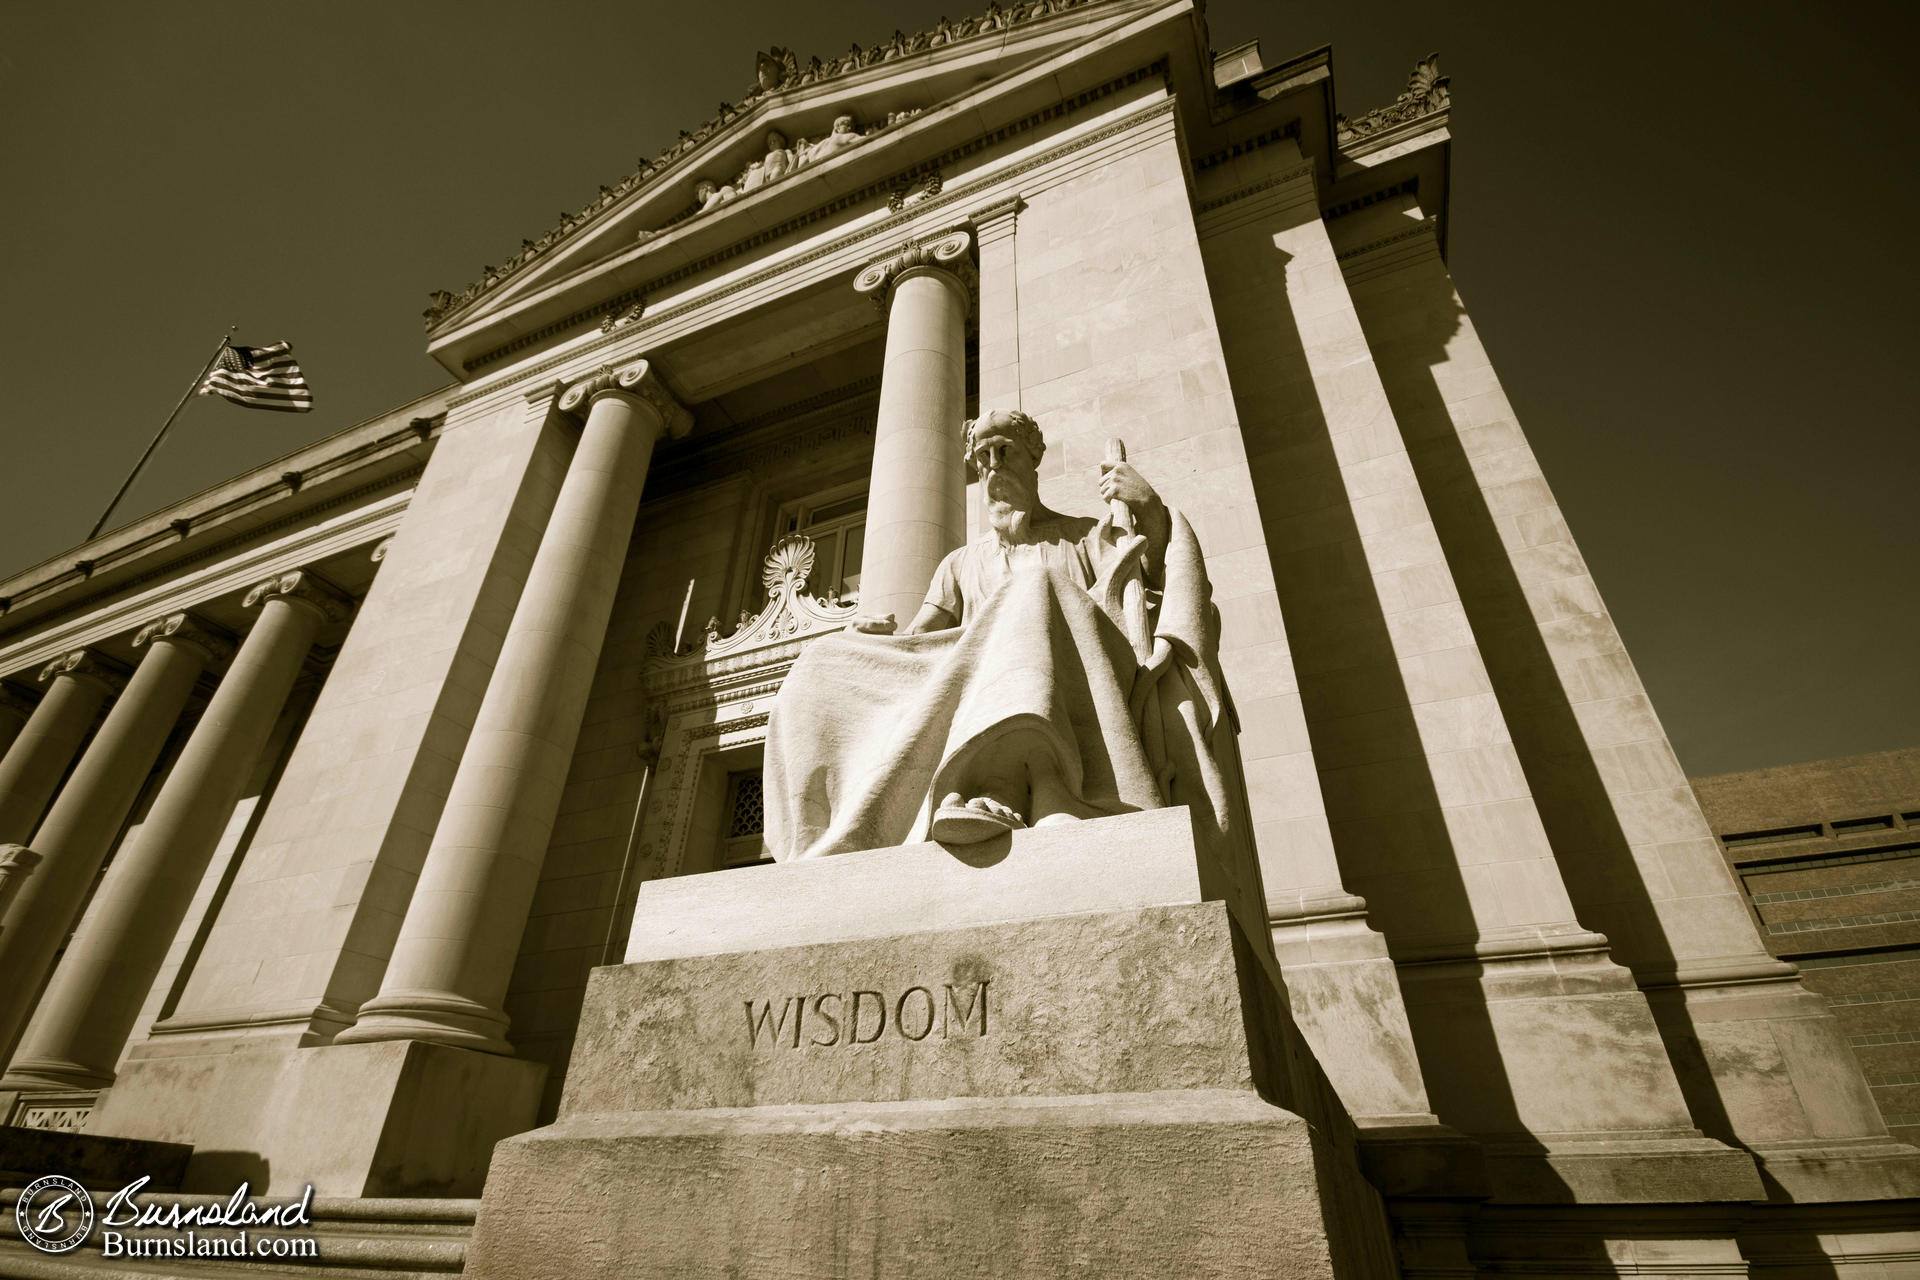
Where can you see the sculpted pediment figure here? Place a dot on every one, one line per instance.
(1061, 668)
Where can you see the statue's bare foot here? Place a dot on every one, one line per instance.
(981, 818)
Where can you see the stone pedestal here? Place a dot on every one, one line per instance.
(1048, 1054)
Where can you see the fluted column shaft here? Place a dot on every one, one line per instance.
(448, 976)
(917, 497)
(88, 814)
(96, 994)
(77, 683)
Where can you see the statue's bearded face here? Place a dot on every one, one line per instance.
(1011, 473)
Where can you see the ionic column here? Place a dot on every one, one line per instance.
(77, 683)
(917, 499)
(88, 813)
(15, 707)
(448, 976)
(82, 1024)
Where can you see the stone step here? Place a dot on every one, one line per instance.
(19, 1262)
(355, 1238)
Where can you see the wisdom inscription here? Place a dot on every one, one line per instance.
(833, 1018)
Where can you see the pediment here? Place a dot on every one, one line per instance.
(905, 101)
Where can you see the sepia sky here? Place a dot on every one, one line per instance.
(1685, 232)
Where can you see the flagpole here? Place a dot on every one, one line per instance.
(198, 378)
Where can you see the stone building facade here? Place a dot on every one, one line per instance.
(332, 785)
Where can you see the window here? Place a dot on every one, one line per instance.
(745, 815)
(837, 523)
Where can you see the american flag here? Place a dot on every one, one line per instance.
(260, 378)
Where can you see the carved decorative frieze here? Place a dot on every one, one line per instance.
(914, 188)
(947, 251)
(185, 628)
(1427, 91)
(783, 161)
(63, 1112)
(304, 588)
(623, 317)
(775, 72)
(638, 379)
(85, 664)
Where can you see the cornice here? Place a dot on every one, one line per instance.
(776, 73)
(420, 429)
(1418, 243)
(1408, 187)
(1302, 170)
(1289, 130)
(232, 576)
(1424, 227)
(949, 197)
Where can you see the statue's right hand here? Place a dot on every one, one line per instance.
(867, 625)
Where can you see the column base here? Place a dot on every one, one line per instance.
(1542, 1047)
(436, 1017)
(1765, 1064)
(398, 1118)
(51, 1075)
(1344, 994)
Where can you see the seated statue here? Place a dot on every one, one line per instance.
(1061, 668)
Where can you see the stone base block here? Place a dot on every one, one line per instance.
(1423, 1161)
(1839, 1171)
(1211, 1183)
(92, 1160)
(396, 1118)
(1658, 1169)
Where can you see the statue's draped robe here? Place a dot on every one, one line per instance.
(870, 732)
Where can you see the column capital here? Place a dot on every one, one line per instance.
(637, 380)
(188, 628)
(304, 588)
(945, 252)
(379, 551)
(997, 220)
(12, 699)
(86, 664)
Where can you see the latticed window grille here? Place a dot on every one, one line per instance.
(746, 807)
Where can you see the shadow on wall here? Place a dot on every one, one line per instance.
(1389, 832)
(1607, 886)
